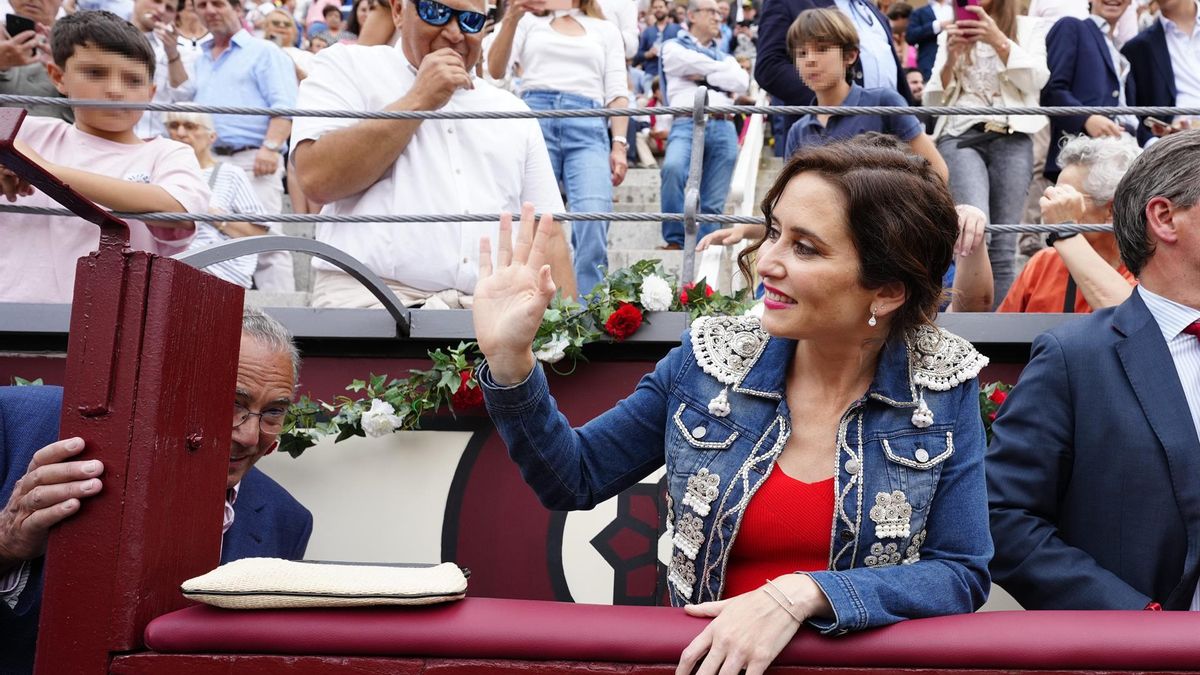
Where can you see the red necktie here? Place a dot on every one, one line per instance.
(1193, 329)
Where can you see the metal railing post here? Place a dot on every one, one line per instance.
(691, 192)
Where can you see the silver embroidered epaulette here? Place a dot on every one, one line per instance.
(940, 360)
(726, 347)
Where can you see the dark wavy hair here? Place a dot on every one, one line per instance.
(900, 213)
(102, 30)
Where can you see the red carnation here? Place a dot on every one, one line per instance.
(467, 397)
(998, 395)
(683, 292)
(623, 322)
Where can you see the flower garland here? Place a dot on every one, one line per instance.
(614, 310)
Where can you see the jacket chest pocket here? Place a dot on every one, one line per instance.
(914, 463)
(696, 439)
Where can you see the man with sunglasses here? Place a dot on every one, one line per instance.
(419, 166)
(42, 482)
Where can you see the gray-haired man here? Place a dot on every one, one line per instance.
(42, 483)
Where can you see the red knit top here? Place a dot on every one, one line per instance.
(786, 529)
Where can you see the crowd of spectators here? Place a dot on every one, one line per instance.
(562, 54)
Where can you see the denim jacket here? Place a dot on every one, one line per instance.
(910, 530)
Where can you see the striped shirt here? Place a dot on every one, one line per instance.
(1172, 318)
(231, 193)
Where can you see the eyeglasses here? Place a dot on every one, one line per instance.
(436, 14)
(280, 24)
(187, 126)
(269, 420)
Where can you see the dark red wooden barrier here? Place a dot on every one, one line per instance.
(151, 369)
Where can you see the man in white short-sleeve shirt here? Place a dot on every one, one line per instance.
(418, 166)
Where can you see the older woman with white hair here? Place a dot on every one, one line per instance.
(231, 193)
(1078, 272)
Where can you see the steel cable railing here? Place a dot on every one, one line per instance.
(691, 216)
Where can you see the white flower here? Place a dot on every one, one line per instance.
(381, 419)
(757, 309)
(554, 349)
(656, 295)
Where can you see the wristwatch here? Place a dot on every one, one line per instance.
(622, 141)
(273, 147)
(1058, 236)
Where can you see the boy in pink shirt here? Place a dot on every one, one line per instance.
(96, 56)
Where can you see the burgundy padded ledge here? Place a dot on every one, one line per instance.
(490, 628)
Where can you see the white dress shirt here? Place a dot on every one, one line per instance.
(680, 64)
(875, 52)
(1185, 60)
(1120, 63)
(1172, 318)
(449, 166)
(943, 11)
(591, 65)
(151, 124)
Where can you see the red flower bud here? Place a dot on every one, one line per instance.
(467, 397)
(683, 292)
(623, 322)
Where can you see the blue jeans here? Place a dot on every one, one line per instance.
(992, 175)
(720, 156)
(579, 149)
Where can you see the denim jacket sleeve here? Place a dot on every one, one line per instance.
(952, 575)
(573, 469)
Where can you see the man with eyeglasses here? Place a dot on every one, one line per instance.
(468, 166)
(41, 482)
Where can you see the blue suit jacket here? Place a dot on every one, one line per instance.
(921, 34)
(1081, 73)
(775, 69)
(1150, 72)
(269, 522)
(1092, 470)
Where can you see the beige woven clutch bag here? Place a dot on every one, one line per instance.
(272, 583)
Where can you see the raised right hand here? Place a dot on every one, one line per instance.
(511, 299)
(442, 72)
(50, 491)
(723, 237)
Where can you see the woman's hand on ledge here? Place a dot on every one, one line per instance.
(748, 631)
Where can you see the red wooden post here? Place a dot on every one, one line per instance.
(151, 369)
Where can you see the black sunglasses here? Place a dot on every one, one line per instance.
(435, 13)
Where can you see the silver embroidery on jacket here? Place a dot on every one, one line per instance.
(689, 536)
(940, 360)
(912, 554)
(682, 575)
(727, 347)
(892, 515)
(882, 556)
(852, 490)
(702, 491)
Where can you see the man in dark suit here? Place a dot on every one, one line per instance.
(1153, 74)
(775, 67)
(1094, 458)
(923, 27)
(42, 484)
(1086, 70)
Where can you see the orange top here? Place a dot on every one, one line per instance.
(1042, 286)
(787, 528)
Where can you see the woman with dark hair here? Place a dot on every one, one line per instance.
(358, 17)
(833, 449)
(997, 59)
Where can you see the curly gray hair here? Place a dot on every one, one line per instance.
(1106, 158)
